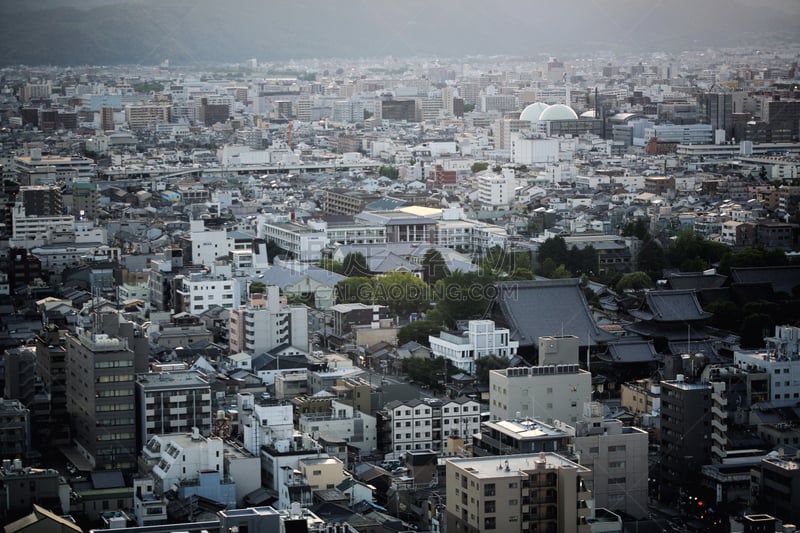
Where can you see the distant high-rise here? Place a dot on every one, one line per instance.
(100, 392)
(107, 118)
(719, 112)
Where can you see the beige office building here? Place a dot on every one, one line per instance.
(533, 492)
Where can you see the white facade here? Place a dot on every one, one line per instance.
(266, 324)
(547, 393)
(534, 151)
(480, 339)
(200, 291)
(32, 231)
(423, 425)
(180, 457)
(783, 369)
(271, 425)
(304, 243)
(496, 190)
(357, 428)
(208, 245)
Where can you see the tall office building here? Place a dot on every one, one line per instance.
(100, 391)
(719, 112)
(107, 118)
(685, 436)
(544, 492)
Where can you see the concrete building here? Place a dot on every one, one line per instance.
(782, 367)
(15, 430)
(685, 436)
(141, 117)
(547, 393)
(172, 402)
(31, 231)
(196, 292)
(267, 323)
(495, 191)
(617, 456)
(37, 168)
(775, 485)
(535, 492)
(100, 392)
(479, 340)
(355, 427)
(427, 424)
(41, 200)
(301, 242)
(514, 437)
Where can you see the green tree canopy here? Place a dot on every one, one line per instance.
(634, 281)
(434, 266)
(479, 166)
(489, 362)
(331, 265)
(428, 371)
(390, 171)
(462, 296)
(418, 332)
(258, 287)
(355, 264)
(636, 228)
(650, 258)
(554, 248)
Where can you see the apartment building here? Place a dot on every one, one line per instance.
(427, 424)
(197, 291)
(268, 322)
(532, 492)
(172, 402)
(480, 339)
(617, 456)
(547, 393)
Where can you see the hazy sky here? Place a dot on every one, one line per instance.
(147, 31)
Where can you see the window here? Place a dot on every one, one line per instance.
(616, 464)
(489, 489)
(489, 506)
(490, 523)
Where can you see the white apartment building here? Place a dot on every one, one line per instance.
(207, 245)
(268, 322)
(496, 190)
(302, 242)
(781, 361)
(178, 456)
(350, 232)
(525, 151)
(58, 256)
(266, 425)
(427, 424)
(479, 340)
(32, 231)
(357, 428)
(198, 291)
(547, 393)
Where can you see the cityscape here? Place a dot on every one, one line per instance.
(378, 268)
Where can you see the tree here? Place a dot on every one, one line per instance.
(434, 266)
(489, 362)
(634, 281)
(418, 332)
(331, 265)
(650, 258)
(479, 166)
(355, 289)
(462, 296)
(468, 108)
(403, 292)
(389, 171)
(754, 328)
(427, 371)
(636, 228)
(554, 248)
(258, 287)
(355, 264)
(273, 250)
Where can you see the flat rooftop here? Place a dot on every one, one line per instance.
(493, 466)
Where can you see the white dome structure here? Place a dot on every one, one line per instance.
(558, 112)
(533, 112)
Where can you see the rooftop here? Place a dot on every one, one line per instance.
(511, 465)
